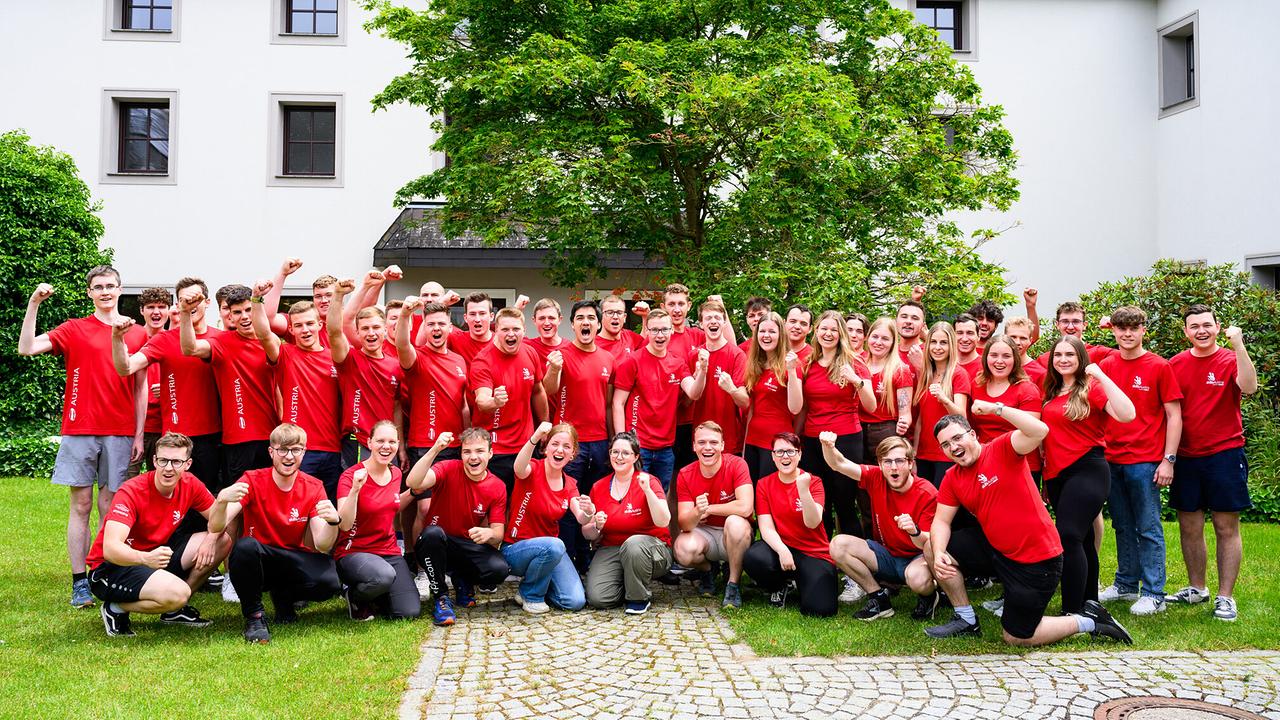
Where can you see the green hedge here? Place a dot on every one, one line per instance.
(27, 452)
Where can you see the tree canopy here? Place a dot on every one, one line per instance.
(805, 151)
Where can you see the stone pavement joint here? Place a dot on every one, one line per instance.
(681, 660)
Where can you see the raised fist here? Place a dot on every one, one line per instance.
(725, 381)
(792, 359)
(704, 357)
(555, 359)
(936, 391)
(235, 492)
(121, 326)
(544, 429)
(325, 511)
(500, 395)
(373, 277)
(262, 287)
(412, 303)
(344, 287)
(827, 438)
(450, 298)
(41, 293)
(1029, 296)
(641, 308)
(358, 478)
(444, 440)
(982, 407)
(522, 302)
(393, 272)
(1093, 371)
(599, 519)
(1234, 334)
(918, 291)
(290, 266)
(191, 301)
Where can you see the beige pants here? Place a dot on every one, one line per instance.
(625, 571)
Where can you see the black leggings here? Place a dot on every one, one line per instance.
(759, 462)
(815, 578)
(440, 553)
(384, 580)
(933, 470)
(1077, 495)
(841, 490)
(289, 575)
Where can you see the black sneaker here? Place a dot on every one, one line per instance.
(255, 629)
(116, 623)
(926, 606)
(955, 628)
(707, 583)
(778, 598)
(1103, 624)
(669, 578)
(215, 580)
(978, 582)
(286, 614)
(356, 610)
(878, 606)
(188, 616)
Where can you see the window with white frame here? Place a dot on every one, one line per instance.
(139, 137)
(1179, 65)
(141, 20)
(306, 148)
(309, 22)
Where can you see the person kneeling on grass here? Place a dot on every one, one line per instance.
(793, 551)
(1015, 539)
(138, 562)
(542, 496)
(902, 510)
(289, 526)
(465, 521)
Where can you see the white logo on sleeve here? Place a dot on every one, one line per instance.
(120, 509)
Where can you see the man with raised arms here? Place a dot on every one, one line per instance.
(725, 398)
(510, 400)
(102, 413)
(142, 560)
(614, 337)
(288, 528)
(156, 303)
(368, 377)
(715, 502)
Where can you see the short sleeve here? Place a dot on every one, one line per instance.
(1097, 396)
(946, 494)
(925, 519)
(817, 491)
(62, 337)
(249, 498)
(624, 378)
(123, 508)
(762, 499)
(871, 476)
(683, 493)
(961, 384)
(1169, 388)
(1028, 397)
(347, 480)
(201, 499)
(904, 378)
(156, 347)
(481, 375)
(497, 512)
(656, 485)
(741, 475)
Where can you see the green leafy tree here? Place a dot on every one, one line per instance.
(806, 150)
(49, 232)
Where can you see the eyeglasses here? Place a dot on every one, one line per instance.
(659, 331)
(615, 313)
(1071, 323)
(289, 451)
(621, 453)
(892, 462)
(948, 444)
(171, 462)
(104, 288)
(786, 453)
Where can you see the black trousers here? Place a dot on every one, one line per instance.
(476, 564)
(1077, 495)
(841, 490)
(815, 578)
(239, 458)
(759, 462)
(206, 464)
(683, 447)
(503, 466)
(289, 575)
(383, 580)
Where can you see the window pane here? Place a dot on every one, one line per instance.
(925, 16)
(327, 23)
(160, 123)
(302, 22)
(135, 122)
(159, 159)
(163, 3)
(162, 20)
(327, 5)
(322, 157)
(299, 159)
(140, 20)
(299, 124)
(323, 128)
(135, 155)
(302, 5)
(946, 17)
(948, 37)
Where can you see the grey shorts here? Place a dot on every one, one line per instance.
(715, 542)
(84, 460)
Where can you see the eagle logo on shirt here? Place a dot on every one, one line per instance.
(177, 517)
(987, 482)
(526, 374)
(460, 373)
(293, 515)
(1213, 380)
(333, 371)
(479, 509)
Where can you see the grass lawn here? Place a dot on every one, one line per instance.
(56, 661)
(1191, 628)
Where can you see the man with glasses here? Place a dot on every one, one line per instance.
(143, 561)
(288, 528)
(102, 413)
(614, 337)
(1015, 539)
(1070, 320)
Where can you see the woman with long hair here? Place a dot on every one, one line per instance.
(777, 393)
(1003, 380)
(942, 388)
(627, 518)
(892, 381)
(1078, 397)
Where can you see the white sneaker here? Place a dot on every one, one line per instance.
(229, 591)
(1148, 605)
(1224, 608)
(424, 585)
(1189, 595)
(1111, 593)
(852, 593)
(519, 599)
(535, 608)
(995, 607)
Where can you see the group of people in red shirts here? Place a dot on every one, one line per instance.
(381, 452)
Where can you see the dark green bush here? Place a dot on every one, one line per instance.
(25, 450)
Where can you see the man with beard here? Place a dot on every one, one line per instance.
(988, 316)
(369, 378)
(910, 324)
(510, 400)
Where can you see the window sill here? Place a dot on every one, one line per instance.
(141, 35)
(306, 35)
(1178, 107)
(302, 176)
(142, 30)
(139, 174)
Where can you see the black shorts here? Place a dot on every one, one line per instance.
(239, 458)
(417, 453)
(1215, 482)
(1028, 587)
(123, 583)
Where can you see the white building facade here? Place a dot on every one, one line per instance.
(223, 137)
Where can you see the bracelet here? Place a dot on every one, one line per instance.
(915, 534)
(256, 299)
(334, 524)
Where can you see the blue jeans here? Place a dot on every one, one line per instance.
(659, 463)
(547, 572)
(589, 465)
(1135, 515)
(326, 466)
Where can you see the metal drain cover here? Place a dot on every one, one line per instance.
(1163, 708)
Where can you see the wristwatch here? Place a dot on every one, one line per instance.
(1171, 459)
(1000, 409)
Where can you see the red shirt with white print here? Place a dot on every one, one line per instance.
(246, 387)
(512, 424)
(369, 387)
(769, 412)
(377, 505)
(721, 488)
(903, 379)
(150, 516)
(831, 407)
(436, 386)
(630, 515)
(1211, 420)
(536, 509)
(919, 500)
(582, 400)
(459, 503)
(781, 501)
(1149, 382)
(95, 400)
(1068, 440)
(626, 343)
(929, 411)
(276, 517)
(654, 385)
(716, 404)
(1023, 396)
(188, 393)
(310, 395)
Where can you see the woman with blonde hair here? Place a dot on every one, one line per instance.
(777, 394)
(892, 381)
(942, 389)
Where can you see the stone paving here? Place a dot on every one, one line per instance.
(679, 661)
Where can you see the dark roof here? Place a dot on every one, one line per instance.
(415, 239)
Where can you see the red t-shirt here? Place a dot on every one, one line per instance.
(308, 383)
(1096, 355)
(903, 379)
(686, 345)
(630, 515)
(276, 517)
(1211, 420)
(999, 491)
(153, 424)
(781, 501)
(654, 384)
(745, 345)
(376, 509)
(512, 424)
(188, 394)
(716, 404)
(1148, 381)
(436, 386)
(929, 411)
(769, 412)
(96, 400)
(583, 397)
(973, 367)
(1068, 440)
(919, 500)
(536, 509)
(626, 343)
(461, 342)
(459, 503)
(543, 349)
(828, 406)
(369, 389)
(245, 386)
(1023, 396)
(720, 488)
(150, 516)
(1036, 373)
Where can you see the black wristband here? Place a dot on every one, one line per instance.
(916, 533)
(334, 524)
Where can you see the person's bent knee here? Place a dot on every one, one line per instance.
(737, 527)
(687, 550)
(432, 536)
(1014, 640)
(634, 544)
(602, 598)
(919, 579)
(246, 547)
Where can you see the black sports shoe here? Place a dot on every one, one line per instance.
(978, 582)
(956, 627)
(1103, 624)
(707, 583)
(255, 629)
(116, 623)
(878, 606)
(927, 605)
(286, 614)
(188, 616)
(215, 580)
